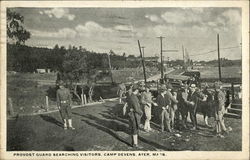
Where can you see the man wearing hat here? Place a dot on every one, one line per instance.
(172, 103)
(63, 97)
(135, 114)
(192, 100)
(163, 100)
(146, 101)
(182, 104)
(219, 99)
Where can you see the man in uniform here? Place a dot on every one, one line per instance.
(63, 97)
(192, 100)
(135, 114)
(219, 99)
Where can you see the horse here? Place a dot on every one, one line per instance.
(206, 106)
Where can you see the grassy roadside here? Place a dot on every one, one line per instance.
(29, 96)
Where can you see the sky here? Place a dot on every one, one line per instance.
(118, 29)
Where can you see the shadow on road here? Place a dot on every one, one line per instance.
(112, 122)
(51, 120)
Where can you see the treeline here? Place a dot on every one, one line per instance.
(23, 58)
(224, 62)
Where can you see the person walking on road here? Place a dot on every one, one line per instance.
(63, 97)
(135, 114)
(219, 99)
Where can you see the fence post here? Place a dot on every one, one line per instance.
(47, 103)
(232, 88)
(10, 107)
(82, 99)
(85, 99)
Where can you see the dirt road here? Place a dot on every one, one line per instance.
(102, 128)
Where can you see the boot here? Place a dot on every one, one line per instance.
(70, 124)
(162, 128)
(134, 141)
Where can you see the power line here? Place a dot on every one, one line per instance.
(214, 51)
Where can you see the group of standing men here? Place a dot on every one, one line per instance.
(173, 106)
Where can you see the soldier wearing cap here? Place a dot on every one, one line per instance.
(192, 100)
(219, 99)
(135, 114)
(63, 97)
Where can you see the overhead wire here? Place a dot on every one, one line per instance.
(214, 51)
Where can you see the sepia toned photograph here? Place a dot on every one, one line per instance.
(159, 79)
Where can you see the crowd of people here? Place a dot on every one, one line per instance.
(173, 106)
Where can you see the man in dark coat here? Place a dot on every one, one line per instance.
(63, 98)
(182, 104)
(135, 114)
(172, 102)
(163, 101)
(192, 100)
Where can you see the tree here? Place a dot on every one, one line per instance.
(79, 68)
(15, 28)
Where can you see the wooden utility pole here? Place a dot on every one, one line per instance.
(142, 59)
(183, 54)
(143, 51)
(162, 75)
(110, 69)
(162, 72)
(219, 66)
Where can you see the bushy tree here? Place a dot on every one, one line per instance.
(15, 27)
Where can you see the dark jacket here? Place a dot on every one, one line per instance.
(195, 97)
(170, 98)
(161, 101)
(63, 95)
(133, 103)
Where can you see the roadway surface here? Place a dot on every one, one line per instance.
(102, 127)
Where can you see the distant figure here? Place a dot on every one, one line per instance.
(63, 97)
(219, 99)
(135, 114)
(121, 91)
